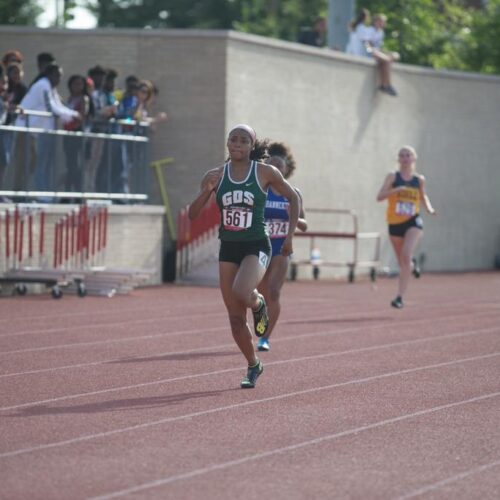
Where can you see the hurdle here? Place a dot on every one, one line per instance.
(353, 262)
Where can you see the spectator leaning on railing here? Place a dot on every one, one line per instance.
(42, 96)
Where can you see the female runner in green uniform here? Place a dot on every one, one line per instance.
(241, 188)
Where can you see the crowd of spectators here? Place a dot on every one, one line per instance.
(93, 104)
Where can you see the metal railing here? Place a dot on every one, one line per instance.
(110, 163)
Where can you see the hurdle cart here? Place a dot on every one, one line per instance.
(349, 231)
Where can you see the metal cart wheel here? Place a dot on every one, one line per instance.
(56, 292)
(21, 289)
(293, 271)
(81, 290)
(315, 272)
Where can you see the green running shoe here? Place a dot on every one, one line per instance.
(253, 373)
(397, 303)
(260, 318)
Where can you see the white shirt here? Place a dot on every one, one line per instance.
(357, 39)
(375, 37)
(43, 97)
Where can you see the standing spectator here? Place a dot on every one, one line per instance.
(384, 59)
(15, 93)
(43, 96)
(3, 116)
(97, 73)
(106, 107)
(123, 151)
(43, 60)
(314, 35)
(12, 56)
(145, 95)
(80, 101)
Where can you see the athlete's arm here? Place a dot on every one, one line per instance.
(386, 190)
(301, 222)
(274, 179)
(423, 196)
(208, 185)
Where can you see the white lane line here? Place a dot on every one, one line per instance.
(221, 346)
(287, 449)
(272, 363)
(111, 341)
(108, 312)
(66, 329)
(201, 330)
(281, 362)
(241, 405)
(449, 480)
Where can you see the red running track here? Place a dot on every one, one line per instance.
(138, 396)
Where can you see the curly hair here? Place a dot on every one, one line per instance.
(283, 151)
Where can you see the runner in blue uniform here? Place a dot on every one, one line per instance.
(277, 221)
(241, 187)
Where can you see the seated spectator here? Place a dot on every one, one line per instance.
(359, 33)
(42, 96)
(314, 35)
(384, 59)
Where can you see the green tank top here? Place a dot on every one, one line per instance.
(242, 207)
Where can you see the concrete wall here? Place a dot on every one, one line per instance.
(344, 134)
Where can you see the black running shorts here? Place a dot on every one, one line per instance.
(400, 229)
(236, 251)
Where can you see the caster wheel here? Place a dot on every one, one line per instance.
(81, 290)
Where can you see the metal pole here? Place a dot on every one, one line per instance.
(340, 12)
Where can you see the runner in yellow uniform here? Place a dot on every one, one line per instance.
(404, 190)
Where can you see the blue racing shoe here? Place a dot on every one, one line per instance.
(263, 344)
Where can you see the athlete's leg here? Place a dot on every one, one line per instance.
(237, 311)
(410, 241)
(271, 287)
(397, 243)
(249, 275)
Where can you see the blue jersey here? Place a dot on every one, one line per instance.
(277, 218)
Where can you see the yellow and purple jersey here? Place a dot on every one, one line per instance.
(404, 204)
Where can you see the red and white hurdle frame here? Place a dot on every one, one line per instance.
(196, 239)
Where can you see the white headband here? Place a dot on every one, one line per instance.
(249, 130)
